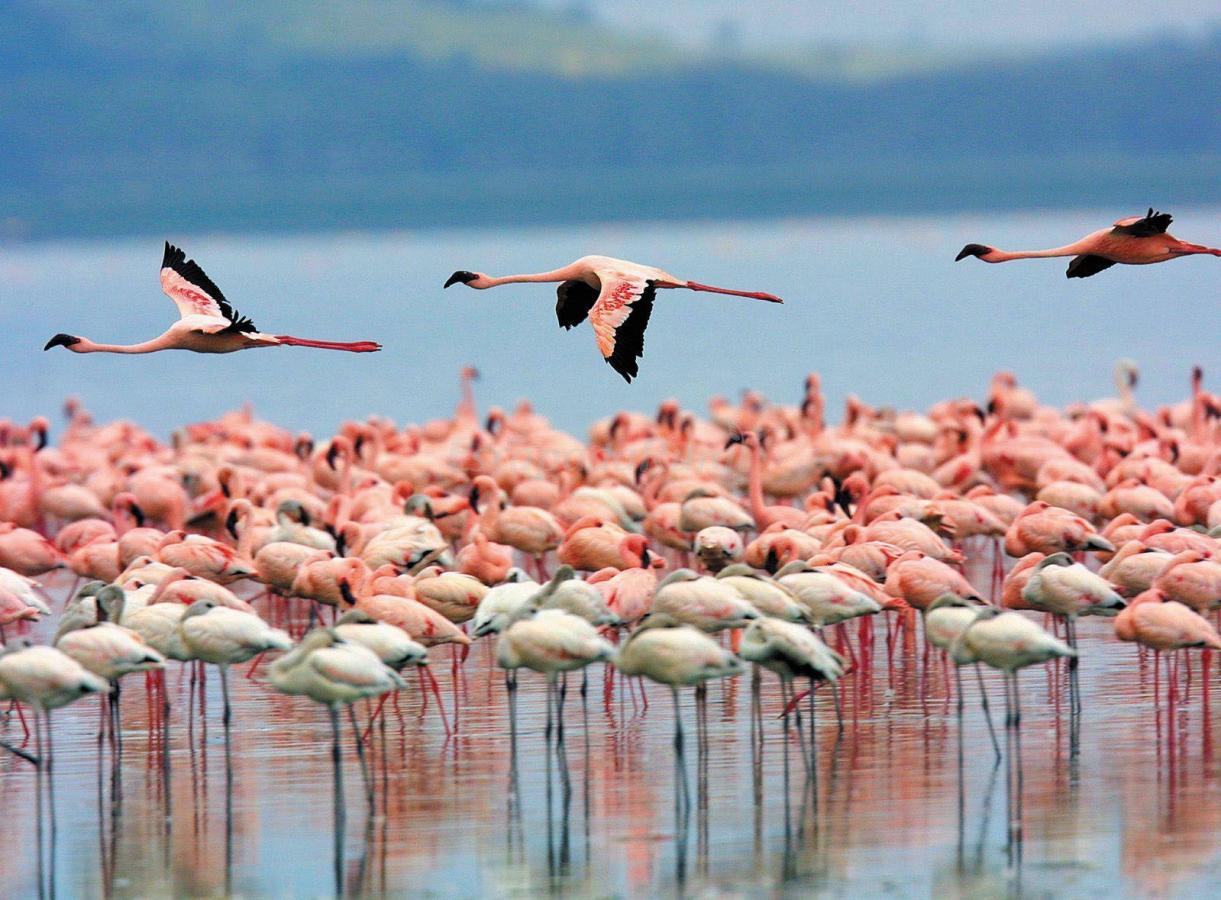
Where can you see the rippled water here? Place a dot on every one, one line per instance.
(893, 809)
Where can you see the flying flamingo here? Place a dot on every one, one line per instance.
(1136, 241)
(616, 296)
(207, 322)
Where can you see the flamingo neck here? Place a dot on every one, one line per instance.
(755, 486)
(1006, 255)
(539, 277)
(489, 508)
(84, 345)
(466, 408)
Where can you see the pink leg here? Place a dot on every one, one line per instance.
(436, 692)
(255, 665)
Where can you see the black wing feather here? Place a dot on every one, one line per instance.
(1087, 265)
(576, 299)
(1153, 223)
(176, 259)
(629, 337)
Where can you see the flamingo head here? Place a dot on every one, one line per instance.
(62, 340)
(635, 549)
(979, 251)
(475, 280)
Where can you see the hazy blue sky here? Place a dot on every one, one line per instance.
(950, 22)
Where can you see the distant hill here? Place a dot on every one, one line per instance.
(136, 116)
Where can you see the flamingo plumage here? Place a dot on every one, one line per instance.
(207, 322)
(614, 294)
(1134, 241)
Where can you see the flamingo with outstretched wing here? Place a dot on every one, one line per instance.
(1134, 241)
(614, 294)
(207, 322)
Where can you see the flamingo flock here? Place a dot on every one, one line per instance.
(673, 546)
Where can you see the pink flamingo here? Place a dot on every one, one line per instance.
(207, 322)
(1135, 241)
(616, 296)
(764, 515)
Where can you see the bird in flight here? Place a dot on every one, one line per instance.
(1136, 241)
(614, 294)
(207, 322)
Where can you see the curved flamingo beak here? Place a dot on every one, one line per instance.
(460, 276)
(231, 524)
(346, 591)
(734, 439)
(61, 340)
(972, 250)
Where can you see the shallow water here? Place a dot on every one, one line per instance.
(876, 304)
(892, 810)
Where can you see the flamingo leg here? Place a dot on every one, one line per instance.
(360, 753)
(983, 698)
(339, 809)
(436, 692)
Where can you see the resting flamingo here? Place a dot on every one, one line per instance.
(1135, 241)
(616, 296)
(207, 322)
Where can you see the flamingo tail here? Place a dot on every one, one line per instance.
(351, 346)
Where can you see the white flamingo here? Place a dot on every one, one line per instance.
(225, 637)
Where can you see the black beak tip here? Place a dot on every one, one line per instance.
(972, 250)
(61, 340)
(460, 276)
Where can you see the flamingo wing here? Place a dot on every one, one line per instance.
(1086, 265)
(1144, 226)
(619, 318)
(575, 299)
(197, 296)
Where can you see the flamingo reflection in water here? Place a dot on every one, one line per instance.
(46, 679)
(1009, 642)
(332, 671)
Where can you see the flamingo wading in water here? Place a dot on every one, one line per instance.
(207, 322)
(614, 294)
(1135, 241)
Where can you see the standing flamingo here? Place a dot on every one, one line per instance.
(331, 671)
(1008, 641)
(1135, 241)
(46, 679)
(207, 322)
(616, 296)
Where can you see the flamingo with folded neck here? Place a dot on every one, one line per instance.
(207, 322)
(614, 294)
(1134, 241)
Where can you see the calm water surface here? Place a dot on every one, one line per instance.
(876, 305)
(892, 811)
